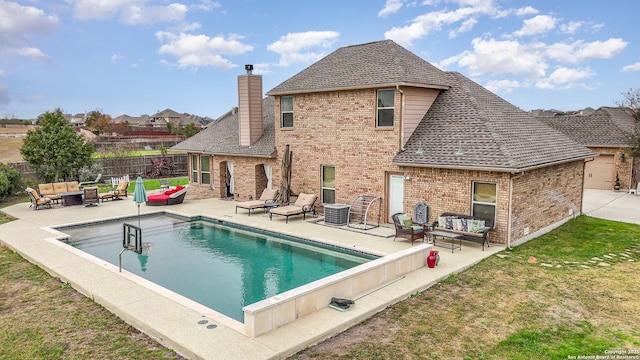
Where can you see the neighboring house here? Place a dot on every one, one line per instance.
(375, 119)
(604, 131)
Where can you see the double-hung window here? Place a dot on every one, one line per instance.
(205, 169)
(286, 110)
(484, 201)
(194, 168)
(385, 107)
(328, 184)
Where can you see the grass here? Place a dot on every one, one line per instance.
(565, 303)
(511, 308)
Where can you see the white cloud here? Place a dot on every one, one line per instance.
(564, 78)
(632, 67)
(17, 20)
(194, 51)
(130, 12)
(505, 86)
(390, 7)
(500, 57)
(4, 90)
(30, 52)
(292, 47)
(116, 58)
(580, 50)
(206, 5)
(536, 25)
(526, 11)
(466, 26)
(571, 27)
(433, 21)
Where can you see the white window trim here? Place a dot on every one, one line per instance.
(378, 108)
(205, 172)
(282, 112)
(494, 204)
(322, 187)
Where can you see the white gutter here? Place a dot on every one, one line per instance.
(401, 117)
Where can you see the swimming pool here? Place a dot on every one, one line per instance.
(222, 266)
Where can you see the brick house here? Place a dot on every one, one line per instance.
(375, 119)
(605, 132)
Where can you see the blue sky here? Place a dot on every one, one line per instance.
(140, 56)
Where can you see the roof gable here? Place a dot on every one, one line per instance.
(470, 127)
(376, 64)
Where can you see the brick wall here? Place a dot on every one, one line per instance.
(545, 196)
(339, 129)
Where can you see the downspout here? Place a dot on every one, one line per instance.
(401, 117)
(517, 175)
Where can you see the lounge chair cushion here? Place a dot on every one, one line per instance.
(251, 204)
(287, 210)
(301, 200)
(157, 198)
(268, 194)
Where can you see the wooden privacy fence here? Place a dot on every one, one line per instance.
(148, 166)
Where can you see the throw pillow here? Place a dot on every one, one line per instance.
(480, 226)
(449, 221)
(403, 218)
(473, 225)
(465, 224)
(442, 222)
(457, 224)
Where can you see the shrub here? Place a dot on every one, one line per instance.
(89, 173)
(10, 181)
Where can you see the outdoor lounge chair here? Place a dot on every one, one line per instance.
(97, 180)
(268, 199)
(37, 200)
(115, 194)
(405, 228)
(169, 197)
(303, 205)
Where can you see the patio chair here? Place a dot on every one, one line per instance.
(115, 194)
(405, 228)
(37, 200)
(268, 199)
(90, 197)
(304, 204)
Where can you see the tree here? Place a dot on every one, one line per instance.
(54, 150)
(631, 101)
(190, 129)
(98, 122)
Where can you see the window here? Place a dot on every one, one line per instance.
(286, 108)
(328, 184)
(194, 168)
(484, 201)
(385, 107)
(205, 169)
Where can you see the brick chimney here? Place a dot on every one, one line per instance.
(250, 119)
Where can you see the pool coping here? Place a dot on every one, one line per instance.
(177, 324)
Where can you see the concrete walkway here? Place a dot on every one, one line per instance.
(610, 205)
(177, 322)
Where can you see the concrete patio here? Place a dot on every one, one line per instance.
(178, 322)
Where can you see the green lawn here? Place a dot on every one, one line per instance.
(571, 292)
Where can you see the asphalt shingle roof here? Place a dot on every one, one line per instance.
(221, 136)
(606, 127)
(381, 63)
(470, 127)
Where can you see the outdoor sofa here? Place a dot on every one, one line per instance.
(53, 190)
(169, 197)
(467, 227)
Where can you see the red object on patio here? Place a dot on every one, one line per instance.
(432, 259)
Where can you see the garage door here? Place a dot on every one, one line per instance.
(598, 174)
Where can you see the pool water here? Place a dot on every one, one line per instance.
(220, 266)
